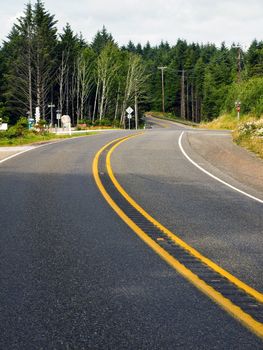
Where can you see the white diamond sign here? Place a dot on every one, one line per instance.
(129, 110)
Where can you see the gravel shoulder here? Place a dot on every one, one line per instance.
(219, 150)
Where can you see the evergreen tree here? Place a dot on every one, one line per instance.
(38, 66)
(101, 39)
(255, 59)
(44, 49)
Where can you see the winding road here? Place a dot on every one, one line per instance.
(132, 240)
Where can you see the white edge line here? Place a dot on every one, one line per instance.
(36, 147)
(16, 154)
(213, 176)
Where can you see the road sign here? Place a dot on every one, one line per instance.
(238, 107)
(3, 126)
(129, 116)
(65, 119)
(51, 106)
(31, 123)
(129, 110)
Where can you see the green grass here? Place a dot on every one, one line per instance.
(31, 138)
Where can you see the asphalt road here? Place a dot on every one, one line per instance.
(75, 276)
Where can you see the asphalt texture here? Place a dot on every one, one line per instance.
(74, 276)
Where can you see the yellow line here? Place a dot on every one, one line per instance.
(225, 303)
(257, 295)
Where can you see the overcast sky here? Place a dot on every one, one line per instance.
(202, 21)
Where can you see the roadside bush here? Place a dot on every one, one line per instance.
(18, 130)
(250, 93)
(85, 121)
(3, 134)
(116, 123)
(103, 122)
(253, 128)
(41, 127)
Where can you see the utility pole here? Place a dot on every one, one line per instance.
(136, 106)
(187, 97)
(162, 70)
(183, 95)
(239, 64)
(238, 102)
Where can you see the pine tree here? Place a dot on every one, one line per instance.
(101, 39)
(45, 41)
(255, 59)
(17, 52)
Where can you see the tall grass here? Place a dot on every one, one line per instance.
(246, 131)
(226, 122)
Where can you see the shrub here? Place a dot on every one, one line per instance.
(252, 128)
(18, 130)
(103, 122)
(250, 93)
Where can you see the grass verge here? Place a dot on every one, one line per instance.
(226, 122)
(254, 144)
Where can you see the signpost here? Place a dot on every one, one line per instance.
(51, 106)
(58, 111)
(129, 110)
(31, 123)
(238, 108)
(3, 126)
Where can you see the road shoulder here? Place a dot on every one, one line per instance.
(218, 150)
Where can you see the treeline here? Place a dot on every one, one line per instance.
(202, 81)
(40, 68)
(97, 81)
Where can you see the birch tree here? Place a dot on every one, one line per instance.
(62, 75)
(85, 67)
(107, 68)
(135, 84)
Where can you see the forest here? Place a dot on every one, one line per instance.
(95, 82)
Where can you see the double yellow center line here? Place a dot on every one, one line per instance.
(234, 310)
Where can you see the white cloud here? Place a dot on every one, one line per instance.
(154, 20)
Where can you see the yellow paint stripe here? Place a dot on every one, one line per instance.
(231, 308)
(257, 295)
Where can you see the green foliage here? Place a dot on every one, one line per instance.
(101, 39)
(250, 135)
(250, 93)
(18, 130)
(255, 59)
(99, 80)
(4, 118)
(103, 122)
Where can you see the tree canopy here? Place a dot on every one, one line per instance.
(97, 81)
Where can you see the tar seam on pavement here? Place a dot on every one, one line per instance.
(220, 284)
